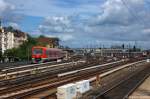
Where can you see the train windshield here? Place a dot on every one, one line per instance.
(37, 51)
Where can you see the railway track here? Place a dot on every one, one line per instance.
(26, 90)
(41, 83)
(51, 70)
(13, 64)
(10, 66)
(29, 66)
(32, 69)
(84, 74)
(48, 94)
(124, 87)
(13, 77)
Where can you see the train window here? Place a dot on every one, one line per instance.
(37, 51)
(51, 53)
(54, 54)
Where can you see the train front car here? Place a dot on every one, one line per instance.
(39, 54)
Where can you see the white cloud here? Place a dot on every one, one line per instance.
(4, 7)
(146, 30)
(120, 12)
(43, 8)
(7, 12)
(66, 37)
(56, 25)
(121, 21)
(63, 37)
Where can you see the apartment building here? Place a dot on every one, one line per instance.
(10, 38)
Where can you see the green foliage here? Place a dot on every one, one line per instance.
(10, 28)
(10, 52)
(0, 54)
(23, 52)
(41, 36)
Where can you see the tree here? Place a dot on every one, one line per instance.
(10, 28)
(24, 51)
(10, 53)
(0, 54)
(41, 36)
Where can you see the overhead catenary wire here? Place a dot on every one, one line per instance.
(133, 12)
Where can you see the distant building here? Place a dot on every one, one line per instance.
(109, 52)
(51, 42)
(20, 38)
(10, 38)
(6, 40)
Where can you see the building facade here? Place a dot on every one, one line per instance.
(19, 38)
(10, 39)
(109, 52)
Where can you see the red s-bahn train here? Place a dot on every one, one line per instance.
(43, 54)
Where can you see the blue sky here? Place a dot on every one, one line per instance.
(81, 23)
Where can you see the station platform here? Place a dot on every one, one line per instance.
(143, 91)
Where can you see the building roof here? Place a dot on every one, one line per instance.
(17, 33)
(47, 39)
(56, 49)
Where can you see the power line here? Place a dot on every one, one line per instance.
(132, 12)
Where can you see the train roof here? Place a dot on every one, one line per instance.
(56, 49)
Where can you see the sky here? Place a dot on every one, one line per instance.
(81, 23)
